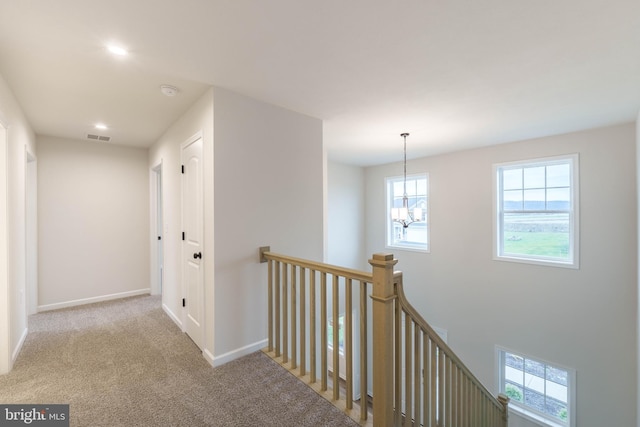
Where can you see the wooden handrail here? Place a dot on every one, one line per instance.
(358, 275)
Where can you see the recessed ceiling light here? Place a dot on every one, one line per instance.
(117, 50)
(101, 126)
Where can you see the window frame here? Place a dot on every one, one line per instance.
(574, 228)
(426, 247)
(527, 411)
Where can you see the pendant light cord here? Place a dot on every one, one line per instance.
(404, 135)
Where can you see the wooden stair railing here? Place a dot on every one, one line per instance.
(297, 286)
(435, 388)
(427, 385)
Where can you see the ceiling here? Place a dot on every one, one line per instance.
(454, 74)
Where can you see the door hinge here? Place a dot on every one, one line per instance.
(183, 235)
(184, 302)
(182, 169)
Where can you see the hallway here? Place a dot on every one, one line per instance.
(125, 363)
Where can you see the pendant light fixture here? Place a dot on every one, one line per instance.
(404, 215)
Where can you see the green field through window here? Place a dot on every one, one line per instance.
(546, 244)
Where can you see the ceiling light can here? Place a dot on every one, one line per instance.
(117, 50)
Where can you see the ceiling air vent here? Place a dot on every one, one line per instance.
(99, 137)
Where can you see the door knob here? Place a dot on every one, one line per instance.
(197, 255)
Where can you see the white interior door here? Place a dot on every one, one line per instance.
(192, 248)
(160, 232)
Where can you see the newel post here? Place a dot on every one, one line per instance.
(383, 297)
(504, 401)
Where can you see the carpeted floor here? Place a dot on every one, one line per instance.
(125, 363)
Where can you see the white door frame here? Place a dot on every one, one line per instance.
(156, 213)
(31, 231)
(5, 343)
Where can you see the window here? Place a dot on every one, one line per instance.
(537, 211)
(340, 333)
(538, 391)
(414, 236)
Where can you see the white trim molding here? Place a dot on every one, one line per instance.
(235, 354)
(92, 300)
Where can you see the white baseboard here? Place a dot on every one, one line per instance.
(16, 350)
(235, 354)
(208, 357)
(172, 316)
(91, 300)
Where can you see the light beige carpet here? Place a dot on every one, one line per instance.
(125, 363)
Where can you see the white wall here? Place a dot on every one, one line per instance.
(346, 215)
(93, 222)
(20, 139)
(263, 174)
(584, 319)
(268, 192)
(199, 118)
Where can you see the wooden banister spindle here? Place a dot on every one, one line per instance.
(303, 324)
(270, 304)
(397, 388)
(453, 395)
(461, 402)
(434, 404)
(335, 302)
(294, 329)
(364, 351)
(312, 326)
(348, 340)
(441, 391)
(323, 331)
(285, 313)
(408, 366)
(426, 380)
(277, 308)
(464, 402)
(417, 375)
(480, 409)
(449, 393)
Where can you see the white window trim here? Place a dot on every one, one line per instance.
(530, 414)
(388, 231)
(575, 217)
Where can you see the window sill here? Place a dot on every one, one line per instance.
(409, 248)
(533, 417)
(534, 261)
